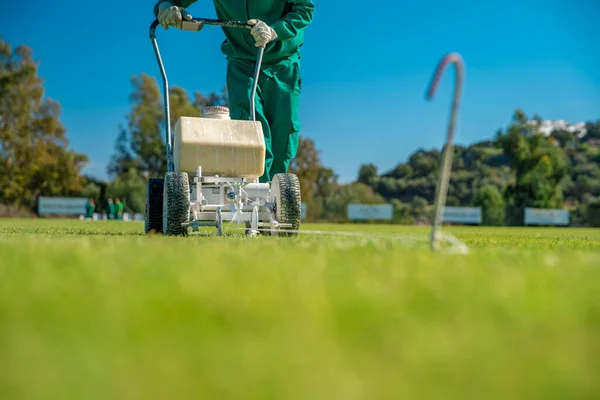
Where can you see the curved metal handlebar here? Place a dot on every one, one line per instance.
(195, 25)
(446, 165)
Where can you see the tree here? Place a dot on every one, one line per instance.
(592, 130)
(314, 178)
(92, 189)
(222, 99)
(401, 171)
(367, 173)
(317, 182)
(34, 156)
(418, 209)
(402, 213)
(452, 201)
(564, 138)
(593, 214)
(424, 163)
(130, 188)
(333, 207)
(537, 164)
(142, 145)
(492, 205)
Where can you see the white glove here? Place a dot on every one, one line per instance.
(170, 15)
(262, 32)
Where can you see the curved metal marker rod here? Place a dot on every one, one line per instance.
(195, 25)
(446, 166)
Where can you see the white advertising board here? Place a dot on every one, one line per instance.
(465, 215)
(546, 216)
(303, 211)
(61, 205)
(370, 211)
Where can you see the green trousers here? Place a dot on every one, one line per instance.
(277, 103)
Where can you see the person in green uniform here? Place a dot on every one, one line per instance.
(277, 25)
(119, 208)
(111, 209)
(90, 207)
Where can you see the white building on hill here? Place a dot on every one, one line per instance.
(547, 127)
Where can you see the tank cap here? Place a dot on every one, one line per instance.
(216, 112)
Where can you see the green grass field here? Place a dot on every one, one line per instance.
(97, 310)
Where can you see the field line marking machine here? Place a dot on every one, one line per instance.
(225, 158)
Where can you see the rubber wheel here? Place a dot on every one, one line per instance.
(154, 206)
(176, 203)
(285, 194)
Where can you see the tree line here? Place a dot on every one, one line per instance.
(520, 167)
(517, 168)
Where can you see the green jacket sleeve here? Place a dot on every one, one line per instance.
(179, 3)
(296, 20)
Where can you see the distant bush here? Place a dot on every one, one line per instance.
(491, 202)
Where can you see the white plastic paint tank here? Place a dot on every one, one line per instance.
(220, 145)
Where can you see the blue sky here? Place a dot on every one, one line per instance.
(365, 70)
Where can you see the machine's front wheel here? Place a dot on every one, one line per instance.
(176, 203)
(287, 202)
(153, 221)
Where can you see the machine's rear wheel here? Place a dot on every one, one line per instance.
(176, 203)
(287, 202)
(154, 206)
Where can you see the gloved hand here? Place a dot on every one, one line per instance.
(262, 32)
(171, 15)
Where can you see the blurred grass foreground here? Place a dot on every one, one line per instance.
(96, 310)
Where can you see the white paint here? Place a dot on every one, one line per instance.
(62, 205)
(546, 216)
(370, 212)
(464, 215)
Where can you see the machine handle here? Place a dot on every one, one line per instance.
(196, 24)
